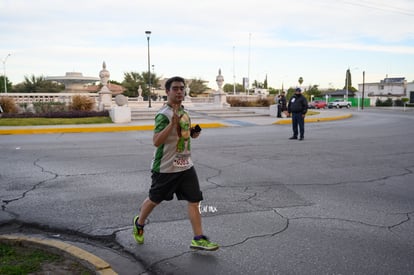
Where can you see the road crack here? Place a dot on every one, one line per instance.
(5, 202)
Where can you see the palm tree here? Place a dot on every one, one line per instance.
(35, 84)
(133, 80)
(8, 84)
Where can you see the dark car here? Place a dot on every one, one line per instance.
(317, 104)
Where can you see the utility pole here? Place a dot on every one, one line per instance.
(234, 75)
(363, 89)
(248, 66)
(148, 33)
(4, 75)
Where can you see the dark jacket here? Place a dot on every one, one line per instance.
(298, 104)
(282, 102)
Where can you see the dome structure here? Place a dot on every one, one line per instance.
(74, 82)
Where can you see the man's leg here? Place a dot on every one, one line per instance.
(195, 218)
(200, 241)
(146, 209)
(301, 123)
(295, 124)
(139, 221)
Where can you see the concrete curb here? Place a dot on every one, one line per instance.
(83, 257)
(317, 119)
(93, 129)
(118, 128)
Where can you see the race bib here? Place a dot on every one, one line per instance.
(182, 161)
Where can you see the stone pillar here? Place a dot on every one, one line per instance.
(187, 96)
(120, 113)
(105, 95)
(220, 97)
(273, 110)
(140, 98)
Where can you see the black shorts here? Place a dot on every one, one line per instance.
(184, 184)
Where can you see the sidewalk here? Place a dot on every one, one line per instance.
(204, 120)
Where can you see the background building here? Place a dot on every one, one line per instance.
(389, 87)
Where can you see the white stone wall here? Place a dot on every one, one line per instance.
(384, 89)
(20, 98)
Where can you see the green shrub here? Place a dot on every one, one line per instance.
(264, 102)
(234, 102)
(82, 103)
(49, 107)
(65, 114)
(398, 102)
(8, 105)
(388, 102)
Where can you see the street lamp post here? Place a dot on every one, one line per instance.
(153, 87)
(148, 33)
(4, 75)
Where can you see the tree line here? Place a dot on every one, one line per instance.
(132, 82)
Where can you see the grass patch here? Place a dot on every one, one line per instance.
(16, 260)
(312, 113)
(20, 260)
(52, 121)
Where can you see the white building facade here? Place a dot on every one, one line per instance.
(394, 88)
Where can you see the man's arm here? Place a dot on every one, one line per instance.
(288, 107)
(160, 137)
(163, 128)
(305, 107)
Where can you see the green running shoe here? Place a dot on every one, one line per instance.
(138, 232)
(204, 244)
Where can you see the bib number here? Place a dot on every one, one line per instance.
(181, 161)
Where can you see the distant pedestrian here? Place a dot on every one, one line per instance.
(172, 168)
(298, 107)
(282, 102)
(279, 106)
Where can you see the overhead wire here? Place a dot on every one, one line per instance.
(381, 7)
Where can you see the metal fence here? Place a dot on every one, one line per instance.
(355, 102)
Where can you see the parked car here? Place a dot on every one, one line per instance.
(339, 103)
(317, 104)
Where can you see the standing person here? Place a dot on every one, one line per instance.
(172, 168)
(282, 101)
(279, 106)
(298, 106)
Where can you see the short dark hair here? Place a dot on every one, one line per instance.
(173, 79)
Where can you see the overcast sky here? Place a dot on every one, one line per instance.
(283, 39)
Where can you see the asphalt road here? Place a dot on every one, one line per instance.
(339, 202)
